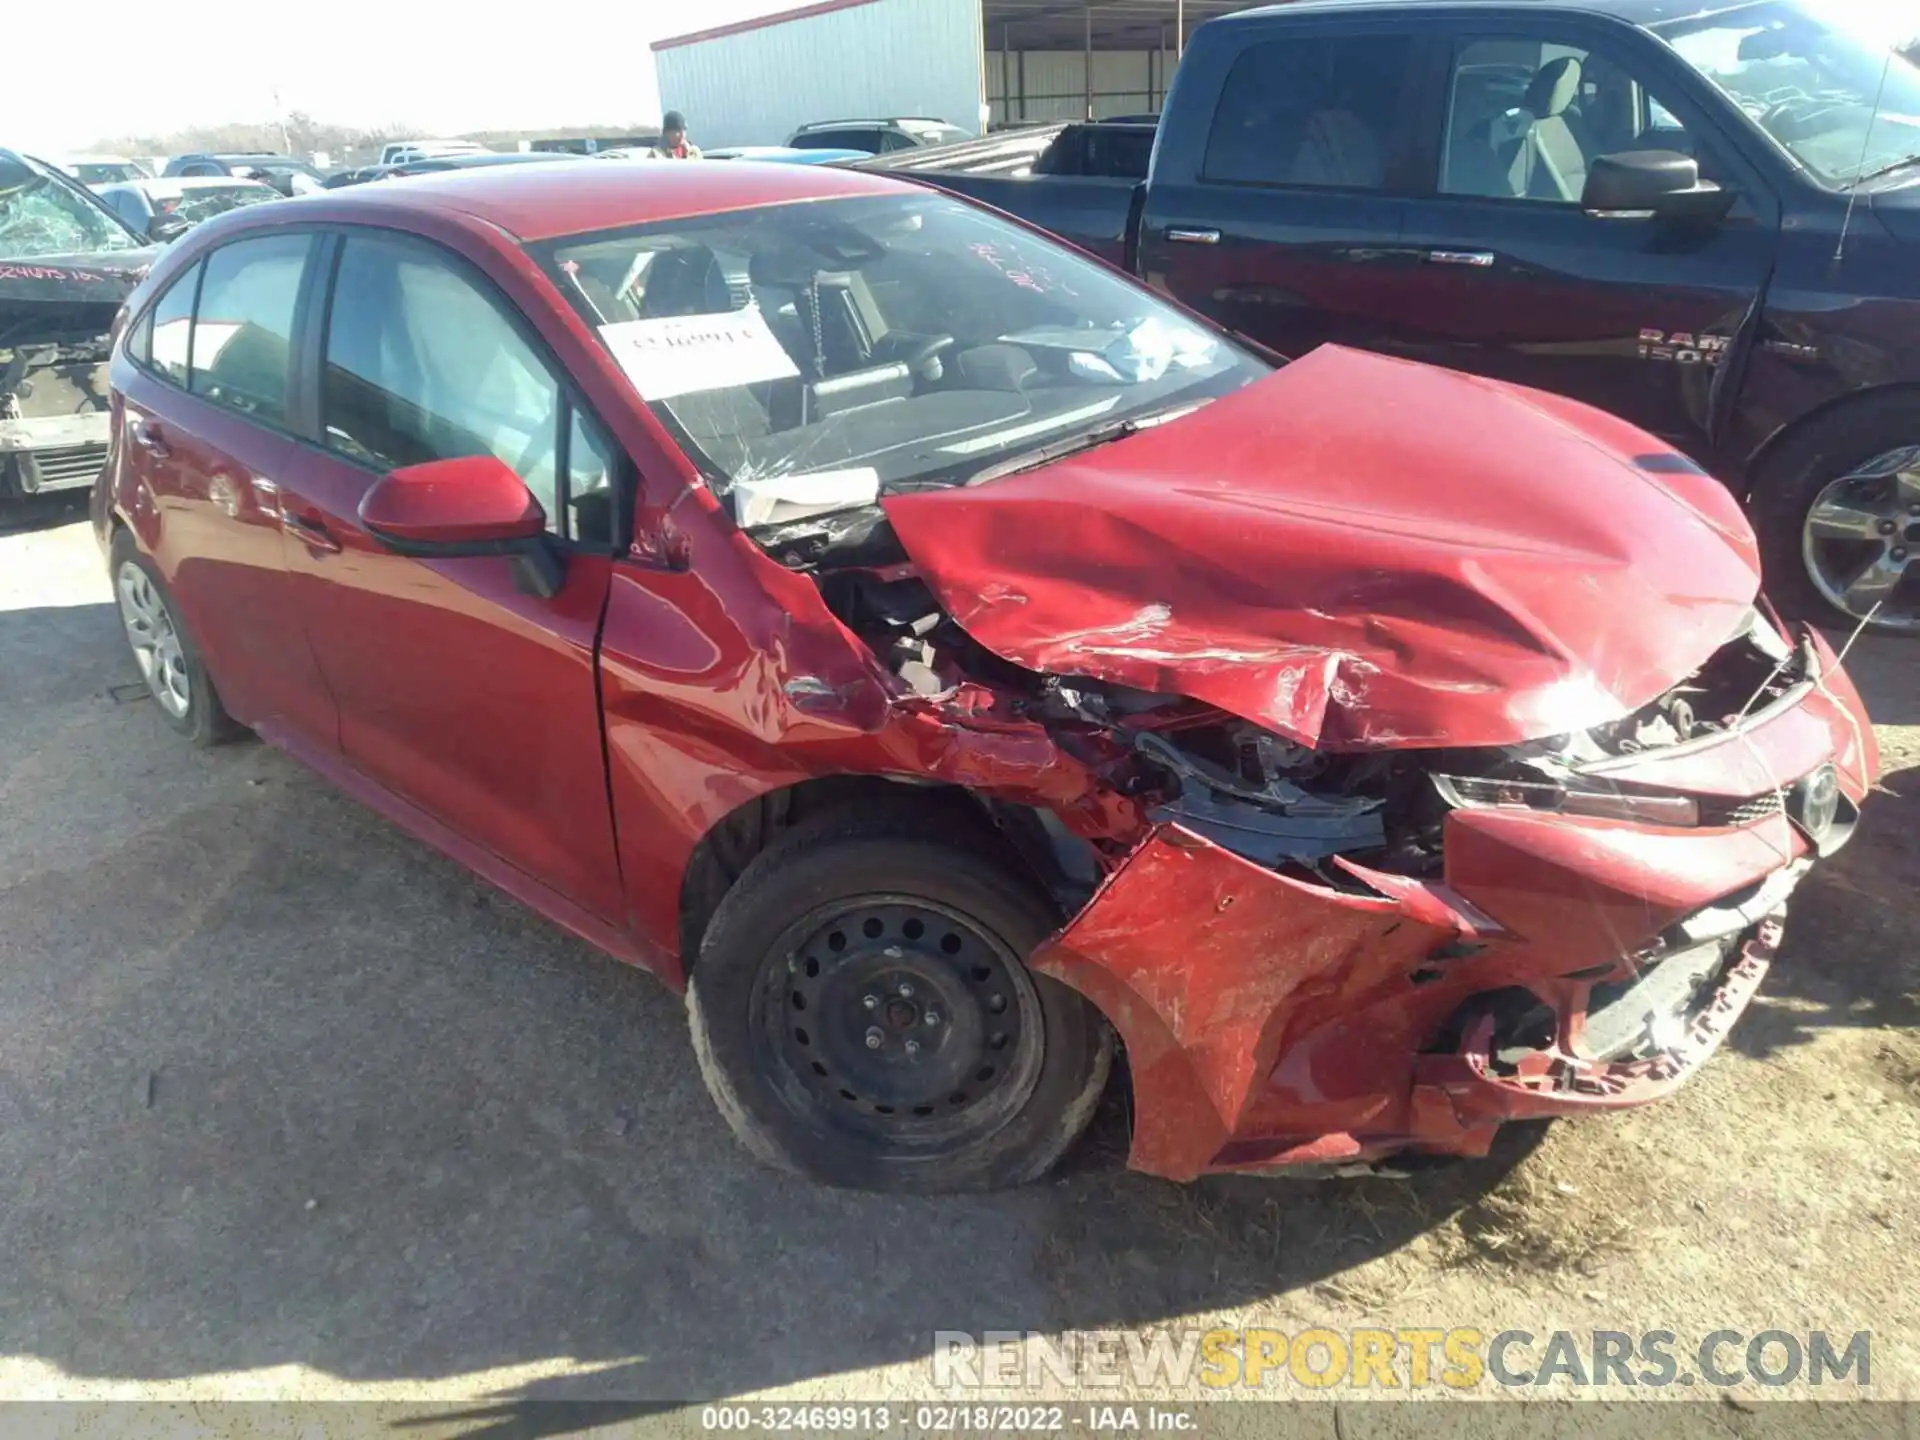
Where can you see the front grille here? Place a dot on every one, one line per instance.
(1740, 812)
(67, 465)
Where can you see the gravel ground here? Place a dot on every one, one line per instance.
(292, 1107)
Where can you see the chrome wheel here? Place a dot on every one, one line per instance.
(1859, 536)
(154, 638)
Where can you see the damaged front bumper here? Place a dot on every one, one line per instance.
(39, 453)
(1274, 1021)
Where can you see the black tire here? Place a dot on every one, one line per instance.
(1037, 1092)
(203, 719)
(1791, 479)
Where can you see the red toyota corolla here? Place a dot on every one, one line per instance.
(941, 656)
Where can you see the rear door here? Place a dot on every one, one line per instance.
(206, 428)
(1520, 282)
(457, 692)
(1279, 214)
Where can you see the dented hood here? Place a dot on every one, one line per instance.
(1357, 552)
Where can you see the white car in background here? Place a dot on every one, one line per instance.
(405, 152)
(162, 210)
(99, 170)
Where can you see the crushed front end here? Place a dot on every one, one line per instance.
(1332, 960)
(56, 317)
(1417, 784)
(1326, 959)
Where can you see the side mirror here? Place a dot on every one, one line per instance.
(1661, 183)
(473, 505)
(163, 229)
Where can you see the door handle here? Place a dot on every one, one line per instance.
(1476, 259)
(1187, 235)
(149, 437)
(310, 532)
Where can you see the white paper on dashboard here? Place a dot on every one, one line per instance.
(780, 498)
(682, 354)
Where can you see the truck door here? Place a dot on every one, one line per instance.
(1277, 212)
(1519, 281)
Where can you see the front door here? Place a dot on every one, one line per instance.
(456, 690)
(1520, 282)
(205, 426)
(1283, 224)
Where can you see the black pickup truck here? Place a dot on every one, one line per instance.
(1705, 219)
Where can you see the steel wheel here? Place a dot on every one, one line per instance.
(1860, 534)
(155, 640)
(900, 1024)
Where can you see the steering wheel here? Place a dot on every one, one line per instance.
(917, 355)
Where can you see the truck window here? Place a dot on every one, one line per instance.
(1526, 118)
(1317, 111)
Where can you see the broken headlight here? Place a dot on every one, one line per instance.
(1472, 792)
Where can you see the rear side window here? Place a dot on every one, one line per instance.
(171, 324)
(243, 326)
(1321, 112)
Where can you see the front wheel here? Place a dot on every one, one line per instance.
(1837, 509)
(863, 1015)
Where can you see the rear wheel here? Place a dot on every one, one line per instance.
(1837, 509)
(863, 1014)
(163, 649)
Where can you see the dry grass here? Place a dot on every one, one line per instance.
(1899, 1060)
(1560, 1210)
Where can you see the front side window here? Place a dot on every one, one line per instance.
(1527, 117)
(1314, 111)
(818, 355)
(243, 325)
(422, 365)
(48, 215)
(1845, 106)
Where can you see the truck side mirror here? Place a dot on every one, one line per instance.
(1660, 183)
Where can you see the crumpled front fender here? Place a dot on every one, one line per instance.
(1202, 961)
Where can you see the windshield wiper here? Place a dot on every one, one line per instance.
(1074, 444)
(1886, 170)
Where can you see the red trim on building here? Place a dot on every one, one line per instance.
(741, 27)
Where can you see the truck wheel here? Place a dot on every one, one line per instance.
(168, 659)
(863, 1014)
(1837, 510)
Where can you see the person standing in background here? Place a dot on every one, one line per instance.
(674, 144)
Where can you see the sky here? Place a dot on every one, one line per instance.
(437, 66)
(131, 67)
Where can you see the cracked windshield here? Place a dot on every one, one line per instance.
(1847, 108)
(40, 216)
(813, 357)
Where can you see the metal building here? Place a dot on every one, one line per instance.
(974, 63)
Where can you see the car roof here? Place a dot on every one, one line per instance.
(542, 202)
(874, 120)
(1644, 13)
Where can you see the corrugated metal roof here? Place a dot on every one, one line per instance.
(1034, 24)
(1117, 24)
(758, 22)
